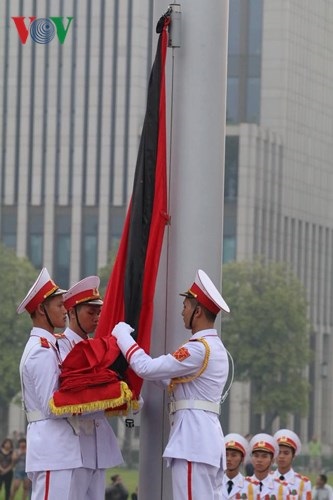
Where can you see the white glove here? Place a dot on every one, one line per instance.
(121, 329)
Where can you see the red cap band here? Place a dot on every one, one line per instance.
(81, 297)
(203, 299)
(286, 441)
(234, 445)
(263, 445)
(46, 290)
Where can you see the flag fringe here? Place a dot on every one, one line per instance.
(124, 398)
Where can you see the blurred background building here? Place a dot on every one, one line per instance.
(279, 175)
(70, 124)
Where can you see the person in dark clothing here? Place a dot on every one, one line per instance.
(134, 495)
(116, 491)
(6, 466)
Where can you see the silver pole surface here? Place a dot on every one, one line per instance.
(196, 95)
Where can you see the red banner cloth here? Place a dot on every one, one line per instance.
(130, 291)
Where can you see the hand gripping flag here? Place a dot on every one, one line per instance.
(94, 374)
(130, 290)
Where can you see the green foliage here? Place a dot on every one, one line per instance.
(17, 275)
(267, 332)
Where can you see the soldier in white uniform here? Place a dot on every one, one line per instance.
(99, 446)
(234, 483)
(198, 371)
(53, 449)
(264, 449)
(290, 446)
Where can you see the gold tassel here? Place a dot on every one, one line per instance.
(280, 492)
(125, 397)
(301, 488)
(250, 491)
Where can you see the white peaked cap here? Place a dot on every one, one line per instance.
(264, 442)
(204, 290)
(238, 442)
(286, 437)
(43, 287)
(83, 292)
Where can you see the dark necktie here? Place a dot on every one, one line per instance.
(281, 478)
(260, 486)
(57, 345)
(230, 485)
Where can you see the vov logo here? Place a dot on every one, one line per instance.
(42, 30)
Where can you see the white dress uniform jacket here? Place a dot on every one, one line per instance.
(270, 486)
(195, 435)
(299, 486)
(99, 445)
(239, 487)
(51, 442)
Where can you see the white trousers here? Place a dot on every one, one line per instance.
(51, 485)
(88, 484)
(195, 481)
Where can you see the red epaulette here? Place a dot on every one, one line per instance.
(44, 342)
(304, 478)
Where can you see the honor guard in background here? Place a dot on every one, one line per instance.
(196, 374)
(53, 449)
(264, 449)
(289, 447)
(99, 446)
(234, 484)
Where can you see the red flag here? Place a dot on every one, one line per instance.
(130, 290)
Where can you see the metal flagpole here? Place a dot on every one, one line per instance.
(196, 101)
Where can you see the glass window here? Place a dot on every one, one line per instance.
(255, 26)
(62, 260)
(89, 255)
(233, 100)
(62, 246)
(35, 250)
(231, 167)
(234, 27)
(35, 236)
(229, 248)
(89, 241)
(253, 100)
(117, 218)
(8, 227)
(9, 240)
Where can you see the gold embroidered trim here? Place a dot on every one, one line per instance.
(189, 378)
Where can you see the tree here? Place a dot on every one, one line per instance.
(267, 333)
(17, 275)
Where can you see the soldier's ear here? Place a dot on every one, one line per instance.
(40, 309)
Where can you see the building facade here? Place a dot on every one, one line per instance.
(279, 173)
(71, 117)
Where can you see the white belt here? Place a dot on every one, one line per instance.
(34, 416)
(193, 404)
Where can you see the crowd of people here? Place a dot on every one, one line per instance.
(12, 468)
(68, 455)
